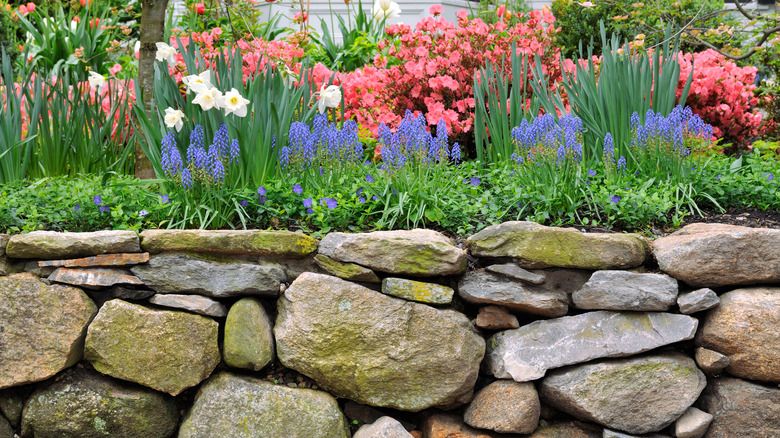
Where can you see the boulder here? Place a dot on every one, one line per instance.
(746, 328)
(375, 349)
(538, 246)
(741, 409)
(496, 318)
(249, 337)
(446, 425)
(623, 290)
(127, 259)
(711, 255)
(636, 395)
(46, 245)
(165, 350)
(697, 301)
(191, 303)
(505, 406)
(526, 353)
(385, 427)
(421, 253)
(692, 424)
(347, 271)
(232, 406)
(95, 278)
(42, 328)
(273, 244)
(511, 270)
(430, 293)
(86, 404)
(711, 362)
(178, 273)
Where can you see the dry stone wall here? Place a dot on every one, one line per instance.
(520, 330)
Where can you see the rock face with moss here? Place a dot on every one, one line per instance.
(284, 244)
(87, 404)
(165, 350)
(746, 328)
(636, 395)
(710, 255)
(347, 271)
(46, 245)
(241, 407)
(430, 293)
(180, 273)
(42, 328)
(249, 337)
(4, 238)
(526, 353)
(741, 409)
(374, 349)
(414, 252)
(538, 246)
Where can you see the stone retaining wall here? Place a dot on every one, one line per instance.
(521, 330)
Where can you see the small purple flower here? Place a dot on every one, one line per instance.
(616, 199)
(718, 177)
(297, 189)
(261, 191)
(309, 211)
(369, 178)
(97, 200)
(330, 202)
(263, 199)
(591, 172)
(164, 199)
(142, 213)
(322, 172)
(77, 208)
(770, 177)
(104, 208)
(475, 181)
(307, 202)
(359, 191)
(244, 202)
(362, 199)
(375, 198)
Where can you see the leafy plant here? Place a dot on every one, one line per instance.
(17, 108)
(359, 42)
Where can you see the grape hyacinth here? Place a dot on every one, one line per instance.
(204, 166)
(324, 146)
(546, 136)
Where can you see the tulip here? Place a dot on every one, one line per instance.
(198, 8)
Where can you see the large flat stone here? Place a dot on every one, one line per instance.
(405, 252)
(191, 303)
(48, 245)
(347, 271)
(98, 260)
(741, 409)
(636, 395)
(42, 328)
(94, 278)
(249, 337)
(165, 350)
(374, 349)
(538, 246)
(241, 407)
(746, 328)
(285, 244)
(623, 290)
(179, 273)
(526, 353)
(711, 255)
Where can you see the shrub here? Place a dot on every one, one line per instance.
(580, 24)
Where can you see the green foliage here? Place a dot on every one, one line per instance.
(8, 28)
(16, 147)
(359, 42)
(580, 25)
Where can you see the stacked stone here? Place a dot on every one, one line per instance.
(559, 334)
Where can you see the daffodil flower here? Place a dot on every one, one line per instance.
(198, 83)
(208, 99)
(97, 82)
(234, 103)
(330, 97)
(165, 52)
(174, 118)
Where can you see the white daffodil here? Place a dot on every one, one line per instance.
(386, 9)
(137, 47)
(234, 103)
(330, 97)
(198, 83)
(174, 118)
(97, 82)
(166, 52)
(208, 99)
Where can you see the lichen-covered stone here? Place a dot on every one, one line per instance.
(623, 290)
(505, 406)
(241, 407)
(538, 246)
(526, 353)
(710, 255)
(4, 238)
(98, 260)
(165, 350)
(94, 278)
(375, 349)
(697, 301)
(249, 337)
(42, 328)
(419, 291)
(405, 252)
(179, 273)
(86, 404)
(284, 244)
(347, 271)
(385, 427)
(48, 245)
(746, 328)
(636, 395)
(191, 303)
(741, 409)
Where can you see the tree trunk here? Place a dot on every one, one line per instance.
(152, 31)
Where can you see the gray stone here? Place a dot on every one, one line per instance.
(241, 407)
(496, 318)
(538, 246)
(710, 255)
(4, 238)
(516, 273)
(273, 244)
(623, 290)
(417, 252)
(636, 395)
(741, 409)
(711, 362)
(249, 337)
(33, 268)
(697, 301)
(176, 273)
(127, 259)
(400, 354)
(6, 431)
(692, 424)
(385, 427)
(614, 434)
(165, 350)
(95, 278)
(411, 290)
(126, 293)
(505, 406)
(42, 328)
(526, 353)
(48, 245)
(86, 404)
(12, 402)
(192, 303)
(746, 328)
(347, 271)
(567, 429)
